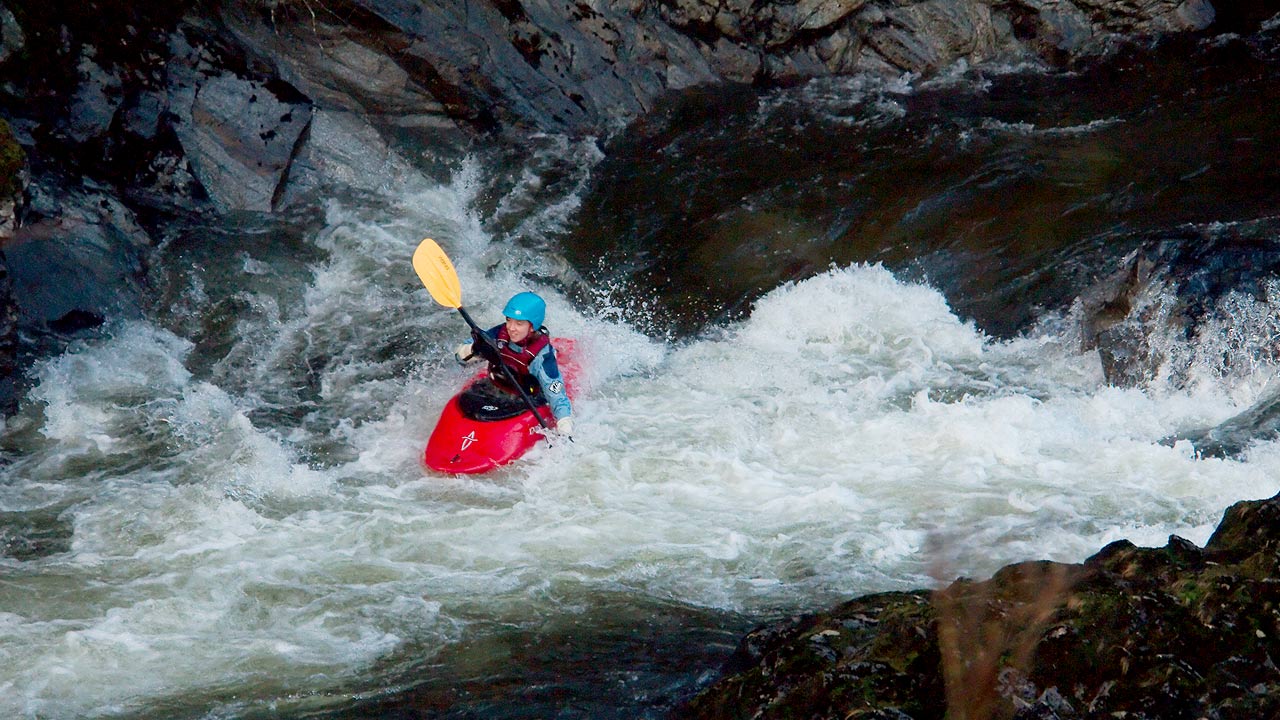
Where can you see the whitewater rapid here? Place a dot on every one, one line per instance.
(258, 532)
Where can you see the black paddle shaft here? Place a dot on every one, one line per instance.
(506, 370)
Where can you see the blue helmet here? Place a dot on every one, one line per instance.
(526, 306)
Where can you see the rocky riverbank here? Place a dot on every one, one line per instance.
(1158, 633)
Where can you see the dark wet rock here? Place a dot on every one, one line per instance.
(158, 110)
(13, 182)
(1259, 423)
(1172, 632)
(867, 655)
(1244, 16)
(218, 104)
(95, 101)
(781, 186)
(1195, 299)
(543, 66)
(783, 42)
(11, 36)
(559, 66)
(239, 134)
(79, 255)
(565, 65)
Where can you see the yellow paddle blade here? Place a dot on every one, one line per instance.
(437, 273)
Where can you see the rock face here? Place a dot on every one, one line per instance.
(1172, 632)
(217, 106)
(12, 185)
(571, 65)
(239, 134)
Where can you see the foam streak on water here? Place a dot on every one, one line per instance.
(239, 540)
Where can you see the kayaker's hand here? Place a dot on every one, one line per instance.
(463, 353)
(484, 347)
(564, 425)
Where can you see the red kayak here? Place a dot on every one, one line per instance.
(483, 427)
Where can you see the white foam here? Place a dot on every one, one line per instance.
(82, 390)
(1025, 128)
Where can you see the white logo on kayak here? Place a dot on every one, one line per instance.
(468, 439)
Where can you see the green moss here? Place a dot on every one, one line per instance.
(1190, 593)
(1097, 609)
(11, 160)
(905, 634)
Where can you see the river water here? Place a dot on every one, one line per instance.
(218, 511)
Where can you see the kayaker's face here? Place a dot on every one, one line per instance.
(518, 330)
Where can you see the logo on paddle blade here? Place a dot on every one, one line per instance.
(468, 439)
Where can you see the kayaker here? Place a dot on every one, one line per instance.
(523, 345)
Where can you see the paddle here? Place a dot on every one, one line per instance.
(436, 272)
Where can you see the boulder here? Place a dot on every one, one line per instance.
(343, 150)
(13, 181)
(77, 260)
(95, 101)
(1192, 300)
(1231, 437)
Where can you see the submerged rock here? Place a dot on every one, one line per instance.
(1259, 423)
(1172, 632)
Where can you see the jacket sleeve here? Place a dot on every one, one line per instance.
(545, 369)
